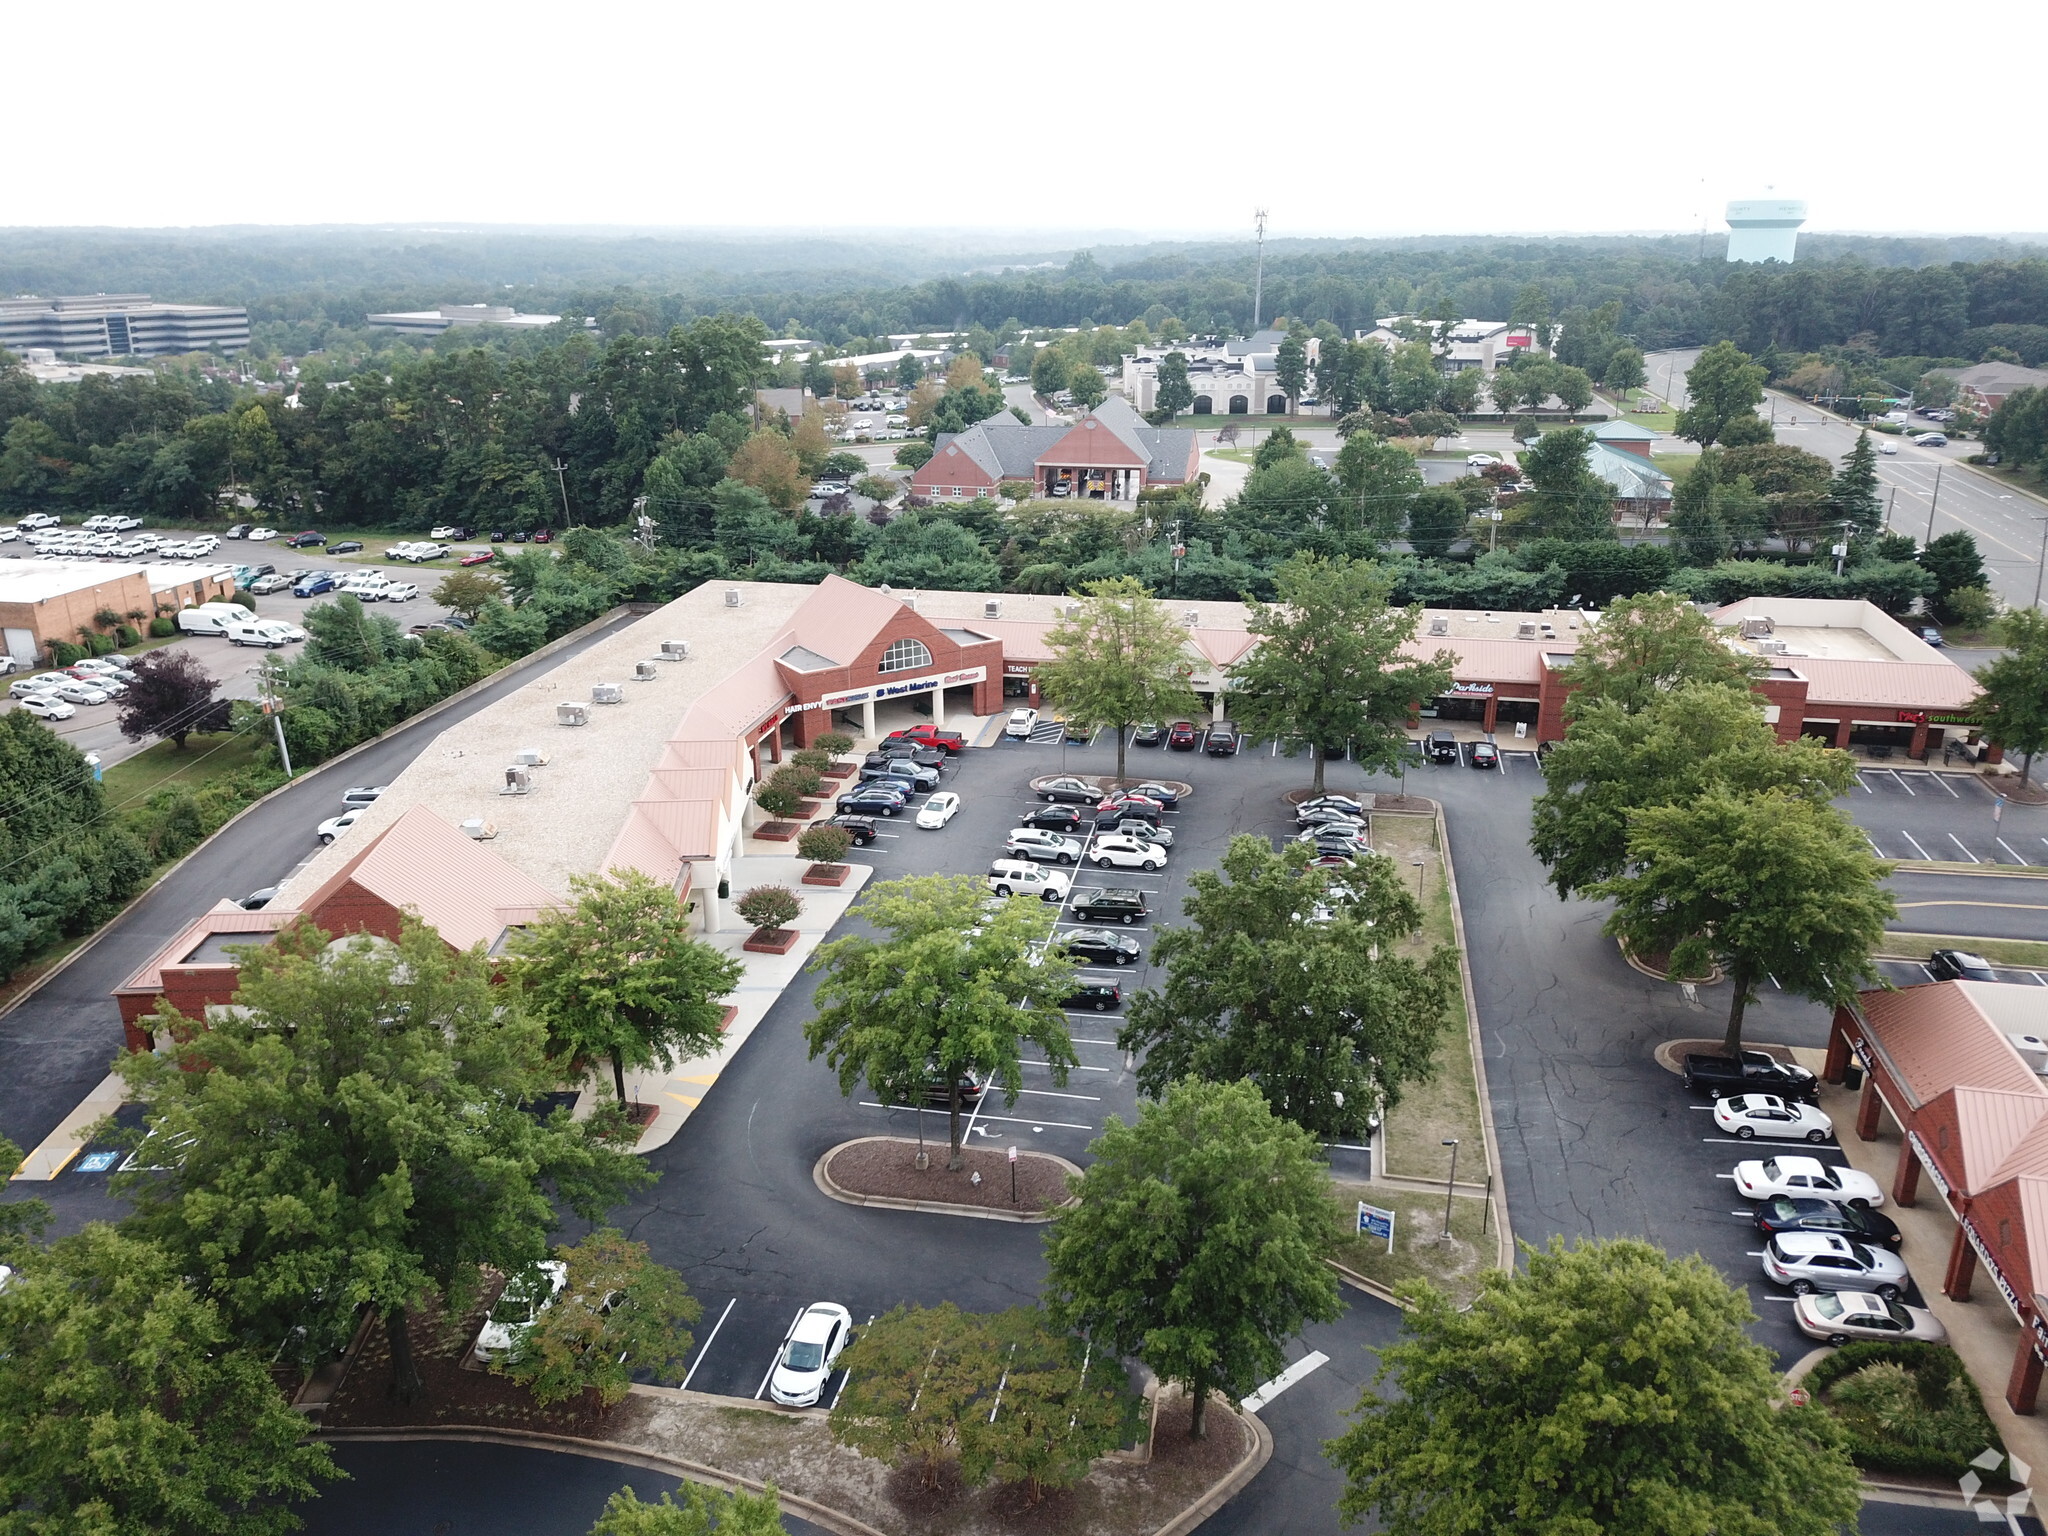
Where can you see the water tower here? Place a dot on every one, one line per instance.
(1764, 229)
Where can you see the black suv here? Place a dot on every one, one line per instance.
(1108, 904)
(860, 828)
(1101, 998)
(1440, 747)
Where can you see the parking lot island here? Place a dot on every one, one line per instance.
(996, 1185)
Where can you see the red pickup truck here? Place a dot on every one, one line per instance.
(931, 736)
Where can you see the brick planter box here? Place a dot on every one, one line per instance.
(809, 808)
(771, 941)
(837, 771)
(827, 874)
(777, 831)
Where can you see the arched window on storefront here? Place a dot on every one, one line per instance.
(905, 656)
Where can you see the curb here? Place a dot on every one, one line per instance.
(1505, 1236)
(1249, 1466)
(608, 1450)
(1982, 871)
(292, 783)
(1372, 1288)
(1713, 977)
(844, 1196)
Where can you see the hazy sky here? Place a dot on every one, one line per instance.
(1340, 118)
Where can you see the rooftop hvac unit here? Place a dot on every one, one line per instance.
(1190, 617)
(643, 671)
(2033, 1051)
(1773, 648)
(1440, 626)
(1493, 618)
(1526, 630)
(675, 650)
(476, 827)
(992, 609)
(572, 714)
(530, 757)
(732, 597)
(1549, 629)
(1755, 629)
(517, 782)
(607, 693)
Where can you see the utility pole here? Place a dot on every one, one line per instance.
(563, 486)
(1931, 500)
(1842, 549)
(1259, 282)
(2041, 564)
(267, 679)
(1888, 509)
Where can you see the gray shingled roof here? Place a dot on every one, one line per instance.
(1005, 449)
(1633, 477)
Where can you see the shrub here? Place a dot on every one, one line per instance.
(247, 600)
(811, 758)
(769, 906)
(162, 627)
(778, 799)
(106, 618)
(127, 635)
(1971, 608)
(834, 743)
(1905, 1407)
(797, 778)
(63, 653)
(824, 845)
(100, 645)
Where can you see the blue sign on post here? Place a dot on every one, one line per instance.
(1374, 1222)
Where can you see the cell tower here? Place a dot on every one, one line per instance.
(1259, 282)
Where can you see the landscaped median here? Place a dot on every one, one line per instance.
(884, 1171)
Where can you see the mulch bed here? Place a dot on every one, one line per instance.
(889, 1168)
(1209, 1457)
(1415, 805)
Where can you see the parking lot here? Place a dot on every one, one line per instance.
(1924, 813)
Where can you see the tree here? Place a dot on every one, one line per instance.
(1852, 493)
(1174, 394)
(703, 1511)
(2018, 429)
(2015, 698)
(1378, 483)
(1573, 388)
(1280, 445)
(1196, 1241)
(1049, 372)
(1290, 369)
(1506, 389)
(914, 456)
(171, 695)
(932, 1001)
(467, 593)
(1085, 384)
(1953, 561)
(1320, 1014)
(909, 371)
(1437, 519)
(1696, 512)
(914, 1377)
(1935, 389)
(1625, 373)
(809, 440)
(1607, 1387)
(769, 907)
(1772, 884)
(1329, 666)
(1121, 660)
(1645, 646)
(355, 1133)
(1570, 501)
(1059, 1405)
(1614, 762)
(126, 1403)
(767, 462)
(617, 974)
(618, 1312)
(824, 844)
(1722, 384)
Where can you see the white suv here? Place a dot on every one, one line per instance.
(1125, 852)
(1020, 877)
(1037, 843)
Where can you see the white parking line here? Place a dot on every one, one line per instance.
(705, 1348)
(777, 1360)
(1909, 837)
(2008, 847)
(1047, 1093)
(1863, 786)
(1942, 780)
(1966, 852)
(1311, 1362)
(1902, 783)
(1873, 844)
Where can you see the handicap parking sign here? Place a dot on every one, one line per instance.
(97, 1162)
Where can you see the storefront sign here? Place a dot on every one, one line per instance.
(1912, 717)
(1481, 690)
(896, 690)
(1019, 668)
(1928, 1162)
(1949, 717)
(2025, 1315)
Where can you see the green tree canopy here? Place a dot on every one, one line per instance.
(1606, 1388)
(618, 1312)
(1570, 501)
(1624, 372)
(1197, 1241)
(1646, 646)
(1376, 485)
(702, 1511)
(1614, 762)
(1775, 884)
(354, 1133)
(1437, 519)
(2014, 703)
(1330, 664)
(1174, 393)
(1290, 368)
(1721, 385)
(1122, 660)
(931, 1001)
(1955, 564)
(617, 974)
(128, 1405)
(1286, 976)
(1852, 493)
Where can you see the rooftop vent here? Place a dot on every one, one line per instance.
(1439, 625)
(476, 827)
(992, 609)
(530, 757)
(643, 671)
(517, 782)
(1493, 618)
(675, 650)
(1773, 648)
(732, 597)
(572, 714)
(607, 693)
(1526, 630)
(1549, 629)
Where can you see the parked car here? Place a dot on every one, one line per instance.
(1181, 735)
(1329, 816)
(37, 520)
(334, 826)
(1481, 460)
(23, 687)
(938, 810)
(1827, 1261)
(1036, 843)
(1101, 944)
(1750, 1115)
(1122, 851)
(346, 547)
(1097, 996)
(902, 768)
(518, 1306)
(479, 557)
(314, 584)
(1932, 636)
(1342, 803)
(1067, 789)
(1055, 818)
(257, 899)
(1931, 440)
(1142, 830)
(1756, 1070)
(1021, 724)
(240, 530)
(1021, 877)
(263, 586)
(1805, 1176)
(306, 540)
(400, 592)
(1129, 808)
(869, 799)
(1150, 734)
(543, 536)
(1074, 730)
(860, 828)
(1440, 747)
(1959, 965)
(931, 757)
(362, 794)
(931, 736)
(1786, 1213)
(1114, 903)
(45, 706)
(1223, 739)
(74, 691)
(1484, 755)
(1840, 1317)
(262, 535)
(805, 1362)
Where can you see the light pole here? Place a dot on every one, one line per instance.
(1417, 861)
(1932, 498)
(1450, 1188)
(2042, 563)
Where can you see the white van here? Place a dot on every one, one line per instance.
(1021, 877)
(213, 618)
(252, 632)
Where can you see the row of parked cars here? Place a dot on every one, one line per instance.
(1824, 1236)
(56, 695)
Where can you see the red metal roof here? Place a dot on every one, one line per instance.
(225, 917)
(1935, 1038)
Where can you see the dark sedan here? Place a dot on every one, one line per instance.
(869, 798)
(1123, 808)
(1181, 736)
(1147, 735)
(1057, 818)
(1858, 1223)
(1099, 998)
(1102, 944)
(1960, 965)
(346, 547)
(1071, 789)
(306, 540)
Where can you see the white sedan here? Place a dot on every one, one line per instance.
(77, 691)
(1022, 722)
(1125, 852)
(1750, 1115)
(1837, 1317)
(938, 809)
(260, 535)
(46, 706)
(1481, 460)
(805, 1360)
(334, 826)
(1797, 1176)
(518, 1306)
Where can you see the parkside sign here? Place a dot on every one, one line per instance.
(897, 689)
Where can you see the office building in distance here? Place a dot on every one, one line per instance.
(431, 322)
(119, 325)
